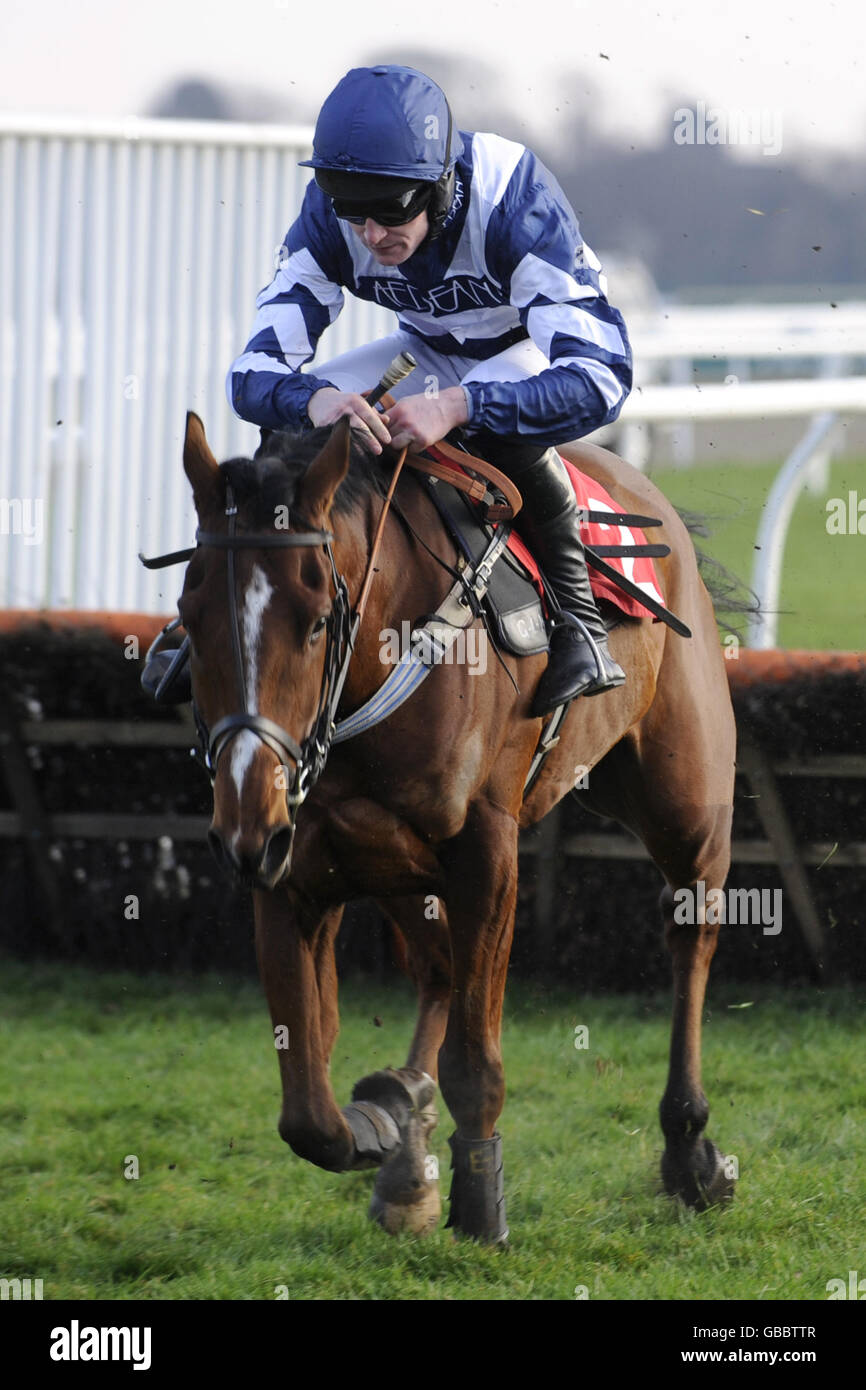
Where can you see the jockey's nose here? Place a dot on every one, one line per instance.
(374, 233)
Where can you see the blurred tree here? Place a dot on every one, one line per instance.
(697, 215)
(197, 99)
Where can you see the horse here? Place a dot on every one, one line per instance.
(422, 812)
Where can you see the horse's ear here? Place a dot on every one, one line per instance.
(199, 463)
(328, 469)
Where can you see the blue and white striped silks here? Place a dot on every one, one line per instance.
(510, 265)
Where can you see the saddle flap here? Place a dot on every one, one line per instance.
(512, 601)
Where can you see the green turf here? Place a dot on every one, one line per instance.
(824, 578)
(183, 1075)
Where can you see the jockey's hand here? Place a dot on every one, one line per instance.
(369, 427)
(423, 420)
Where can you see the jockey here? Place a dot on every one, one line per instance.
(471, 240)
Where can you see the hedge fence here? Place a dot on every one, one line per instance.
(585, 915)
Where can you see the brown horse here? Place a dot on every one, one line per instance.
(423, 811)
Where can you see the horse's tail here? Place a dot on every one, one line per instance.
(733, 600)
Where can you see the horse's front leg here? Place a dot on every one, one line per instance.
(347, 849)
(481, 889)
(295, 950)
(406, 1193)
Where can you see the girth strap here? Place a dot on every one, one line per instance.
(429, 644)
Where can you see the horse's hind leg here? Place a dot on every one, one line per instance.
(422, 928)
(689, 839)
(693, 1168)
(406, 1193)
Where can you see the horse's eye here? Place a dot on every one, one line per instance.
(318, 628)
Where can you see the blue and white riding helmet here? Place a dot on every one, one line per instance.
(384, 132)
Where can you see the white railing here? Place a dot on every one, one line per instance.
(131, 253)
(748, 334)
(749, 400)
(824, 400)
(681, 344)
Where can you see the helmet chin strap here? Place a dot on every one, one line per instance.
(439, 206)
(443, 194)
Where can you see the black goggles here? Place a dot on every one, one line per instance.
(388, 212)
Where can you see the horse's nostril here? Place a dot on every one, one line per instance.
(257, 864)
(218, 849)
(277, 851)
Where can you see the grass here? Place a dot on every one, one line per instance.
(823, 590)
(182, 1074)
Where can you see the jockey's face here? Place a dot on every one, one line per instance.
(392, 245)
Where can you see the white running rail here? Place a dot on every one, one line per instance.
(824, 399)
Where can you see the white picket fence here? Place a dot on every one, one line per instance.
(130, 257)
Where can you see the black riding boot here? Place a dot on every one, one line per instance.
(166, 676)
(580, 662)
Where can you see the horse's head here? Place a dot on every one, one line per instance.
(267, 620)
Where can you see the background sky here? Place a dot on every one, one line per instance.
(110, 57)
(594, 90)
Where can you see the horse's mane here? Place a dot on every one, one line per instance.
(270, 478)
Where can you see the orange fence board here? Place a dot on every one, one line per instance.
(117, 626)
(749, 668)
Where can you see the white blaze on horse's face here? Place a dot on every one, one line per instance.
(256, 599)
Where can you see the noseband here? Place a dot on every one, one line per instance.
(309, 757)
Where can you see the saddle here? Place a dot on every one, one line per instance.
(515, 601)
(512, 603)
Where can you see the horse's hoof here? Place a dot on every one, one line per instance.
(697, 1173)
(406, 1194)
(417, 1217)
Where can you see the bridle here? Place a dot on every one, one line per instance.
(341, 626)
(310, 755)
